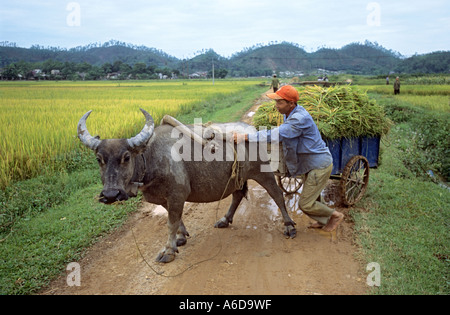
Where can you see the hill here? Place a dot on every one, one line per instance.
(264, 60)
(435, 62)
(259, 60)
(94, 54)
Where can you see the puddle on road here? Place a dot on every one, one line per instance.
(259, 195)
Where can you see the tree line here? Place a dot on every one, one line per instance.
(57, 70)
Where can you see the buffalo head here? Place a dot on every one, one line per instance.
(118, 160)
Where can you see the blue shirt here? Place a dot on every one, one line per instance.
(303, 147)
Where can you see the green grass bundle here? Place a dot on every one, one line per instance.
(341, 111)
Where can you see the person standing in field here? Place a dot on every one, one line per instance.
(305, 152)
(397, 86)
(275, 83)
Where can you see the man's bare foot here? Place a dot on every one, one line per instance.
(316, 225)
(335, 219)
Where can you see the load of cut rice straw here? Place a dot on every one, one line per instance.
(339, 112)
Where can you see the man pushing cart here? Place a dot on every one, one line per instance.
(305, 153)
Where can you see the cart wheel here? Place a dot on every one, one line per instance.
(289, 184)
(354, 180)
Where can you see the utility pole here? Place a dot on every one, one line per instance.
(213, 70)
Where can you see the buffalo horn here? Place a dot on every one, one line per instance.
(145, 134)
(83, 134)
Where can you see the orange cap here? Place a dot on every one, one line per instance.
(286, 92)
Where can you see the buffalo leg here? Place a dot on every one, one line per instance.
(228, 218)
(267, 181)
(175, 210)
(181, 234)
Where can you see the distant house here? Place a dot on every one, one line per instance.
(55, 72)
(36, 72)
(113, 76)
(82, 75)
(162, 76)
(198, 75)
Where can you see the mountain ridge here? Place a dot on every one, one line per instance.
(358, 58)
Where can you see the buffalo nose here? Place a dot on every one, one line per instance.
(109, 196)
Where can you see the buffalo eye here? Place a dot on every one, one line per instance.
(126, 157)
(100, 159)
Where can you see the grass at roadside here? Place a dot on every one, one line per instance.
(39, 247)
(404, 221)
(405, 230)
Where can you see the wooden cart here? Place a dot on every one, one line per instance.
(352, 159)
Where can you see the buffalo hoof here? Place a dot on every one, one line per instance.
(290, 231)
(182, 237)
(166, 256)
(181, 241)
(222, 223)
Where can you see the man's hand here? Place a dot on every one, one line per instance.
(239, 137)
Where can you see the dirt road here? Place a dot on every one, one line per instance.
(252, 256)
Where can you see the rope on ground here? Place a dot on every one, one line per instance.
(158, 273)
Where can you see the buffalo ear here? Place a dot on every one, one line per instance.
(140, 149)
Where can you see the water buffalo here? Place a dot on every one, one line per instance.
(148, 162)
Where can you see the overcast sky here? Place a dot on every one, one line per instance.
(183, 27)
